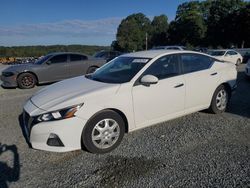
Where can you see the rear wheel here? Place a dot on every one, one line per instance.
(91, 70)
(103, 132)
(220, 100)
(26, 81)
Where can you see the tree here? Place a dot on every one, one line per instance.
(132, 31)
(189, 27)
(221, 22)
(243, 25)
(159, 31)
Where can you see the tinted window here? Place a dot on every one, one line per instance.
(195, 62)
(164, 67)
(59, 59)
(76, 57)
(173, 48)
(231, 53)
(217, 53)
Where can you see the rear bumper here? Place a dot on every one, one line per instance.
(9, 81)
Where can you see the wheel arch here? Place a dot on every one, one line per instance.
(228, 88)
(119, 112)
(123, 117)
(37, 81)
(92, 66)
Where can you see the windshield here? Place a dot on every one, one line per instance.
(42, 59)
(120, 70)
(217, 53)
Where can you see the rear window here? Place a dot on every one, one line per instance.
(59, 59)
(76, 57)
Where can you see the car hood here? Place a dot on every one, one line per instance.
(19, 67)
(71, 92)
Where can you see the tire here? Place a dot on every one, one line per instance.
(26, 81)
(103, 132)
(91, 70)
(220, 100)
(238, 62)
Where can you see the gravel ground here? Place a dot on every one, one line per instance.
(198, 150)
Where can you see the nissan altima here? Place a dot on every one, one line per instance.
(131, 92)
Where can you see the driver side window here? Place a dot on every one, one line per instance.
(164, 67)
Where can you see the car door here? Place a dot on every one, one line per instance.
(164, 99)
(201, 80)
(78, 64)
(56, 68)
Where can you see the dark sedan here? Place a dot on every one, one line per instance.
(107, 55)
(50, 68)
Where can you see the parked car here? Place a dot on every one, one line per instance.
(131, 92)
(107, 55)
(246, 57)
(201, 49)
(247, 70)
(227, 55)
(169, 48)
(51, 68)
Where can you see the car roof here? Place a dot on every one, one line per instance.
(154, 53)
(63, 53)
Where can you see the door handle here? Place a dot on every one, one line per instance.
(213, 74)
(179, 85)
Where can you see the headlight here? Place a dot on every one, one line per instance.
(60, 114)
(7, 74)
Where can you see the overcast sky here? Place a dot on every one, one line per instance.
(90, 22)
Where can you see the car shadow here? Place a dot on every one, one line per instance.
(240, 101)
(20, 119)
(8, 173)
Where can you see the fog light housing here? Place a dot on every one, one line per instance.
(54, 140)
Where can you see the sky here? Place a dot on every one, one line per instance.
(87, 22)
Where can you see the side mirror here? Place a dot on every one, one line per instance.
(48, 62)
(149, 79)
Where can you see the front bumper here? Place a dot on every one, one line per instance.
(67, 131)
(9, 81)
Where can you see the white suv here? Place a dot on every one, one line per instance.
(131, 92)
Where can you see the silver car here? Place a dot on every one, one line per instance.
(50, 68)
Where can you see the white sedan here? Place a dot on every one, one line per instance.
(131, 92)
(227, 55)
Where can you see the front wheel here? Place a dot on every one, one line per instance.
(91, 70)
(103, 132)
(220, 100)
(26, 81)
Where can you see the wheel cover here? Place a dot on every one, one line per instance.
(27, 81)
(221, 100)
(105, 133)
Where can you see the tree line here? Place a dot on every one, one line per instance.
(209, 23)
(37, 51)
